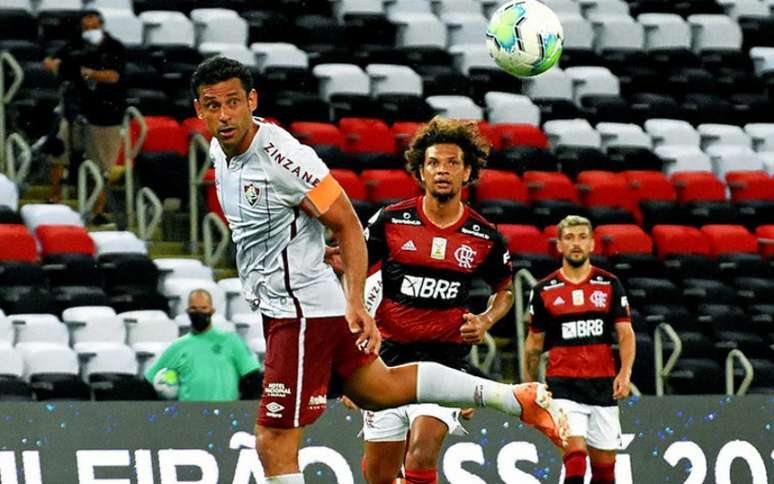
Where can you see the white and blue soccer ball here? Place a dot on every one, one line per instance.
(166, 383)
(524, 37)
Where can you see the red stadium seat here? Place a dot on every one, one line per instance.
(17, 244)
(750, 185)
(196, 126)
(490, 133)
(213, 205)
(366, 135)
(500, 185)
(650, 185)
(765, 234)
(165, 134)
(523, 239)
(730, 238)
(698, 186)
(521, 135)
(387, 186)
(351, 183)
(623, 239)
(545, 185)
(680, 239)
(318, 134)
(64, 239)
(134, 135)
(404, 132)
(605, 189)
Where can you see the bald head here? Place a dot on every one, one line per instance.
(200, 301)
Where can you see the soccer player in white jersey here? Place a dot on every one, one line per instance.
(278, 197)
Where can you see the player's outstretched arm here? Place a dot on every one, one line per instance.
(344, 224)
(476, 325)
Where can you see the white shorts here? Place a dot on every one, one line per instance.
(600, 426)
(393, 424)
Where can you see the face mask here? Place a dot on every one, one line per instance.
(93, 36)
(199, 321)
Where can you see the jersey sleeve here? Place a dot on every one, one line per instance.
(538, 316)
(244, 359)
(375, 238)
(496, 269)
(297, 173)
(165, 360)
(620, 305)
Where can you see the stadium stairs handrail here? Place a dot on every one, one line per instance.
(6, 95)
(749, 372)
(663, 370)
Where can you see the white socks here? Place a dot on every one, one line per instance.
(442, 385)
(285, 479)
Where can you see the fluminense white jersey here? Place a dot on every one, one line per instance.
(280, 249)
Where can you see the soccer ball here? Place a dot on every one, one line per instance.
(524, 37)
(166, 384)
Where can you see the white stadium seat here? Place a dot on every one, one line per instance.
(723, 134)
(745, 8)
(118, 242)
(592, 80)
(616, 32)
(595, 7)
(44, 5)
(578, 31)
(180, 289)
(762, 135)
(727, 158)
(39, 328)
(9, 193)
(151, 331)
(250, 327)
(235, 299)
(407, 6)
(441, 7)
(763, 59)
(110, 358)
(109, 4)
(552, 84)
(41, 358)
(13, 363)
(564, 6)
(393, 79)
(461, 107)
(162, 27)
(7, 331)
(102, 329)
(124, 25)
(672, 132)
(683, 158)
(344, 7)
(571, 132)
(232, 51)
(506, 107)
(82, 313)
(767, 157)
(35, 214)
(174, 268)
(467, 56)
(464, 28)
(219, 25)
(714, 32)
(665, 31)
(419, 30)
(278, 54)
(341, 79)
(623, 134)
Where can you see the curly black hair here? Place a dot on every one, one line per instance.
(218, 69)
(463, 133)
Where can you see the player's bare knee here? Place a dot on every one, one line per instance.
(421, 457)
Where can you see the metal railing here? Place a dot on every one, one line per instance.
(86, 202)
(196, 171)
(145, 199)
(6, 95)
(130, 153)
(663, 370)
(212, 253)
(491, 352)
(16, 142)
(748, 373)
(522, 276)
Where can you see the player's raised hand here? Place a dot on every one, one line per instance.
(473, 328)
(369, 339)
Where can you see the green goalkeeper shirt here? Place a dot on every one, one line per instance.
(209, 365)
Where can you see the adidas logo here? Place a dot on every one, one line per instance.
(558, 301)
(409, 246)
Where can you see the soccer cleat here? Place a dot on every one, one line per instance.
(538, 410)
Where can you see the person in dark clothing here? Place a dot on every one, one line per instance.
(92, 65)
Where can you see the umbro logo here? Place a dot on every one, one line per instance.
(558, 301)
(409, 246)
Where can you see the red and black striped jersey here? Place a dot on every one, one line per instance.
(578, 321)
(427, 271)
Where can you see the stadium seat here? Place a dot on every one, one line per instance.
(617, 32)
(564, 6)
(315, 134)
(574, 132)
(269, 26)
(250, 328)
(728, 158)
(500, 185)
(642, 290)
(39, 328)
(129, 269)
(165, 135)
(523, 239)
(714, 32)
(279, 55)
(461, 107)
(219, 25)
(679, 159)
(765, 234)
(729, 238)
(592, 80)
(124, 25)
(12, 387)
(388, 186)
(696, 376)
(64, 239)
(646, 106)
(9, 193)
(393, 79)
(178, 291)
(463, 28)
(762, 135)
(17, 244)
(750, 185)
(52, 370)
(403, 107)
(672, 132)
(404, 132)
(366, 135)
(341, 8)
(598, 188)
(623, 135)
(520, 159)
(549, 186)
(7, 331)
(407, 6)
(650, 185)
(71, 269)
(723, 134)
(552, 84)
(676, 239)
(44, 214)
(506, 108)
(118, 242)
(693, 186)
(107, 329)
(513, 135)
(491, 135)
(172, 268)
(419, 29)
(622, 239)
(167, 28)
(143, 333)
(664, 31)
(235, 299)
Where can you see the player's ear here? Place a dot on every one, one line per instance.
(252, 99)
(198, 108)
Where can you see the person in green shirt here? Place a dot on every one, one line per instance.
(212, 365)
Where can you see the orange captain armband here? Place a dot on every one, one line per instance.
(324, 194)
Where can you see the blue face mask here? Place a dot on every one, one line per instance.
(93, 36)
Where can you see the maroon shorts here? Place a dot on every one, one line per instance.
(301, 354)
